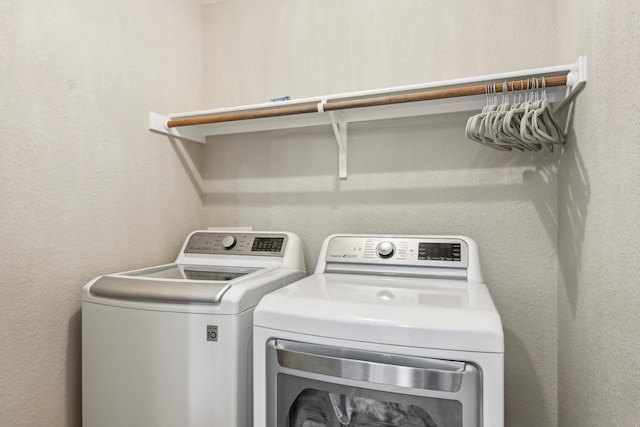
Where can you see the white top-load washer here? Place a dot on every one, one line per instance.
(170, 346)
(389, 330)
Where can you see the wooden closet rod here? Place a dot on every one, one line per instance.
(367, 102)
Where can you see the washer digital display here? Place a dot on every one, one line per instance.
(267, 244)
(439, 251)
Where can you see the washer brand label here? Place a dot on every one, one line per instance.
(212, 333)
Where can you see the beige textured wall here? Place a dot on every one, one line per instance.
(405, 176)
(86, 189)
(599, 224)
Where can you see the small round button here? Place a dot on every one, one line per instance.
(385, 296)
(229, 242)
(385, 249)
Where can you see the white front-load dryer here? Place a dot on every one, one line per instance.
(388, 331)
(171, 345)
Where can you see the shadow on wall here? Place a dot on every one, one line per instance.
(190, 156)
(523, 386)
(574, 194)
(534, 179)
(429, 153)
(74, 371)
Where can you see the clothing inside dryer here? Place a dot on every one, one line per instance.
(319, 408)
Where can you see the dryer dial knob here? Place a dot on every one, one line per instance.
(229, 242)
(385, 249)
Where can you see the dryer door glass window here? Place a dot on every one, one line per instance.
(359, 408)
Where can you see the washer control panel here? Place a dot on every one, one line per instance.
(416, 251)
(221, 243)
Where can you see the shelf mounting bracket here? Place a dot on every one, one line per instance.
(158, 124)
(576, 81)
(339, 125)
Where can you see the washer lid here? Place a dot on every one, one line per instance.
(172, 283)
(429, 313)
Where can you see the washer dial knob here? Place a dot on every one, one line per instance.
(385, 249)
(229, 242)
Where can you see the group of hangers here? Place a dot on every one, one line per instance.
(525, 123)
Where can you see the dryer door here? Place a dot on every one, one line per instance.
(318, 386)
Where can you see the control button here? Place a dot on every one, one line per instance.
(385, 249)
(229, 242)
(385, 296)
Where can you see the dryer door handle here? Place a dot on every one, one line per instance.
(414, 372)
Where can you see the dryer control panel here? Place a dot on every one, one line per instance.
(246, 243)
(414, 251)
